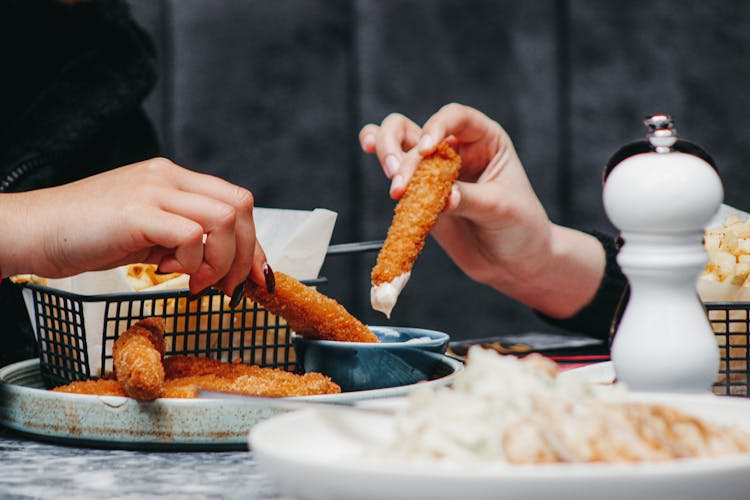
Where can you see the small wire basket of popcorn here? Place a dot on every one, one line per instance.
(76, 332)
(724, 288)
(731, 325)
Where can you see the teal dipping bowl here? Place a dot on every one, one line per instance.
(404, 356)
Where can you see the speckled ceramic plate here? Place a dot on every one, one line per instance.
(118, 422)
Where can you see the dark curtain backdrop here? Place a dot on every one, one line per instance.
(271, 95)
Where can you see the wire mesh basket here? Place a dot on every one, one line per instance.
(70, 347)
(75, 333)
(730, 322)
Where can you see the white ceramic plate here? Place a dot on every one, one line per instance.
(312, 454)
(119, 422)
(596, 373)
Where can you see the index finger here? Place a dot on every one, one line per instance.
(367, 137)
(465, 124)
(454, 123)
(224, 210)
(396, 135)
(249, 257)
(409, 164)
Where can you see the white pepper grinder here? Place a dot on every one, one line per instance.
(660, 194)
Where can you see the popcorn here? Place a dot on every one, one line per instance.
(728, 249)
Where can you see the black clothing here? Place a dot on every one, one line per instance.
(606, 308)
(74, 78)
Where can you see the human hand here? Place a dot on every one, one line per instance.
(494, 227)
(153, 211)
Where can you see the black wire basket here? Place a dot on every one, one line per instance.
(730, 322)
(66, 326)
(75, 333)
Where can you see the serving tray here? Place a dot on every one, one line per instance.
(163, 424)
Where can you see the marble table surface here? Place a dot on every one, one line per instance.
(31, 469)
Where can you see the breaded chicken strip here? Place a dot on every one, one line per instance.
(186, 375)
(137, 356)
(95, 387)
(309, 312)
(415, 215)
(262, 384)
(191, 366)
(155, 328)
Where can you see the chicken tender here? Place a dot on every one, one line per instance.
(188, 387)
(279, 384)
(95, 387)
(190, 366)
(415, 215)
(272, 385)
(153, 329)
(186, 375)
(137, 356)
(195, 366)
(309, 312)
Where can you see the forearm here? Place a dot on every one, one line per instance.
(571, 271)
(16, 230)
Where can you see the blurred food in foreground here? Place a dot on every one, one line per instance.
(142, 373)
(502, 409)
(415, 215)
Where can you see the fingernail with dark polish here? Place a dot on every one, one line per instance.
(237, 295)
(160, 272)
(270, 278)
(193, 296)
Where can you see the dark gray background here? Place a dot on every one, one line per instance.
(271, 95)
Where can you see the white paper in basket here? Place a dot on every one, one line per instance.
(295, 242)
(710, 290)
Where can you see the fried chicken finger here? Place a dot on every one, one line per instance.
(137, 356)
(265, 383)
(415, 215)
(95, 387)
(186, 375)
(309, 312)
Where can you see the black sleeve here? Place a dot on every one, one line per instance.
(75, 75)
(78, 74)
(598, 317)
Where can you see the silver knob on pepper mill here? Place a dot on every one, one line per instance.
(661, 198)
(662, 133)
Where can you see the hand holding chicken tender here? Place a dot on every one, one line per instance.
(415, 216)
(493, 226)
(152, 212)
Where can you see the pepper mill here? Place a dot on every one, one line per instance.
(660, 194)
